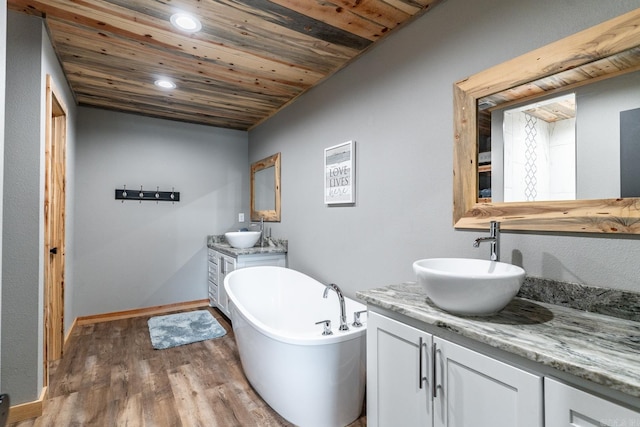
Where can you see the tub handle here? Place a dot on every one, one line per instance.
(356, 319)
(327, 327)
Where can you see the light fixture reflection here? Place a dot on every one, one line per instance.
(185, 22)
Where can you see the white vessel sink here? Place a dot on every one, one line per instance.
(470, 287)
(242, 239)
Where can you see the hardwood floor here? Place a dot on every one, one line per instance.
(111, 376)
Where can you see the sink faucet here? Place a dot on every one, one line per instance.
(494, 239)
(261, 231)
(343, 311)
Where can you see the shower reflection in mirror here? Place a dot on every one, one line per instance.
(540, 150)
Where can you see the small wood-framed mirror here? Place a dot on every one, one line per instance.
(265, 189)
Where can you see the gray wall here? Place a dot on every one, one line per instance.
(3, 64)
(21, 311)
(396, 102)
(139, 254)
(30, 58)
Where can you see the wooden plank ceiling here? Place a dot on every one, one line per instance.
(250, 59)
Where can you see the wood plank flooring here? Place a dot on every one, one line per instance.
(111, 376)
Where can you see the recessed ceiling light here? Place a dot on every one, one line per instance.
(185, 22)
(165, 84)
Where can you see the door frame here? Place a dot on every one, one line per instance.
(54, 222)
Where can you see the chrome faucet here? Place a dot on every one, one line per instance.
(494, 239)
(343, 311)
(261, 231)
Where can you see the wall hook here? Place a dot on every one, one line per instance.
(157, 195)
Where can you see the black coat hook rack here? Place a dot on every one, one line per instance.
(146, 195)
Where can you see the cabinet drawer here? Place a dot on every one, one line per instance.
(212, 257)
(278, 260)
(213, 290)
(212, 300)
(213, 272)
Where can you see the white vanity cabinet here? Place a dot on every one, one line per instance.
(463, 388)
(219, 265)
(567, 406)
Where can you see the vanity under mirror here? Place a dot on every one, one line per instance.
(265, 189)
(539, 85)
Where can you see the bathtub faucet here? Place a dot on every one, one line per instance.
(343, 311)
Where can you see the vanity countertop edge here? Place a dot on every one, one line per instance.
(227, 249)
(599, 348)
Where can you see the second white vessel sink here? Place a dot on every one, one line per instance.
(470, 287)
(242, 239)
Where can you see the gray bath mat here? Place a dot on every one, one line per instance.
(177, 329)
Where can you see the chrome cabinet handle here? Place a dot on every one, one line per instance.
(434, 387)
(422, 378)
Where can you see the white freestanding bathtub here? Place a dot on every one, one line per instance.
(309, 379)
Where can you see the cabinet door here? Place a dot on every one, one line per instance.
(566, 406)
(226, 266)
(475, 390)
(398, 374)
(212, 274)
(213, 294)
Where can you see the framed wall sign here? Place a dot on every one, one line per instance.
(339, 173)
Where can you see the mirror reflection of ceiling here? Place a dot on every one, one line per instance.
(555, 110)
(623, 62)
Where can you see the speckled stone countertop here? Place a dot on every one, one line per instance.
(219, 243)
(596, 347)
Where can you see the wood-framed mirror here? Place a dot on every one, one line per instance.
(603, 51)
(265, 189)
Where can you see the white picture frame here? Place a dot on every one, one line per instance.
(339, 174)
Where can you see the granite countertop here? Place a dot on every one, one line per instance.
(596, 347)
(220, 244)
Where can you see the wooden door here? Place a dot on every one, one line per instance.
(398, 374)
(54, 226)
